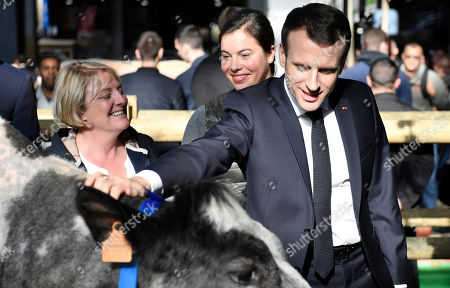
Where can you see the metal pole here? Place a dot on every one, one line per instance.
(385, 16)
(351, 52)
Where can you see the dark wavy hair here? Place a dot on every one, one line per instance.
(324, 25)
(256, 24)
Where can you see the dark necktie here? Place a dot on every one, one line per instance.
(323, 243)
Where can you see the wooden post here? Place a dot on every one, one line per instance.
(351, 52)
(385, 16)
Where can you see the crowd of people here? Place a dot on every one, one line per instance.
(290, 144)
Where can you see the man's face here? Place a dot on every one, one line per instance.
(311, 69)
(411, 58)
(48, 71)
(182, 49)
(443, 67)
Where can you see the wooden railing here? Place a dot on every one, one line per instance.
(431, 247)
(401, 127)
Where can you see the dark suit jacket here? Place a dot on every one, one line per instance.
(18, 101)
(260, 131)
(154, 90)
(390, 102)
(209, 81)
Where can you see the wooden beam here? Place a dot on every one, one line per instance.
(439, 217)
(401, 127)
(419, 126)
(351, 52)
(162, 125)
(385, 16)
(132, 107)
(428, 248)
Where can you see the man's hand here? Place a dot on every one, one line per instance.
(117, 185)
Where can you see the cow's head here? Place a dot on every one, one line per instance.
(202, 239)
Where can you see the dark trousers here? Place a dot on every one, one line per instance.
(352, 272)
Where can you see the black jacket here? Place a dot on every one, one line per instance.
(18, 101)
(154, 90)
(209, 81)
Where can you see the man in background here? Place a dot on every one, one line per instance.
(189, 44)
(375, 45)
(429, 91)
(209, 81)
(441, 65)
(383, 79)
(18, 103)
(48, 69)
(153, 90)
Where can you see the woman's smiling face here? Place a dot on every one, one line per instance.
(243, 60)
(105, 105)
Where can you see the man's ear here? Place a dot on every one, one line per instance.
(397, 83)
(282, 56)
(100, 211)
(160, 53)
(369, 81)
(137, 54)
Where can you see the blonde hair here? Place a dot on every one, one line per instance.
(70, 90)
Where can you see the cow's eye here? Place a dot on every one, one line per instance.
(247, 275)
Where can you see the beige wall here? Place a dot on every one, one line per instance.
(169, 68)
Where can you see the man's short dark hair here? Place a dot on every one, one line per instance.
(149, 44)
(191, 35)
(255, 24)
(383, 73)
(372, 39)
(324, 25)
(226, 14)
(48, 56)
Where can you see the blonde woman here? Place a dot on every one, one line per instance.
(89, 99)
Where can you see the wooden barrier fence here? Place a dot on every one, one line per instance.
(427, 247)
(169, 125)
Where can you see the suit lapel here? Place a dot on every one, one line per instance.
(344, 115)
(283, 107)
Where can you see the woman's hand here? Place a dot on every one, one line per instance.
(117, 185)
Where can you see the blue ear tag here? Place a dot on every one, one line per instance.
(129, 271)
(152, 204)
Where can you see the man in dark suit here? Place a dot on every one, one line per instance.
(189, 44)
(18, 103)
(153, 90)
(209, 81)
(312, 149)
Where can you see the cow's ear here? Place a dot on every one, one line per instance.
(100, 211)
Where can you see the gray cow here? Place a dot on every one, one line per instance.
(47, 220)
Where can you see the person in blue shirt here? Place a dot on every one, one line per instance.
(189, 44)
(375, 46)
